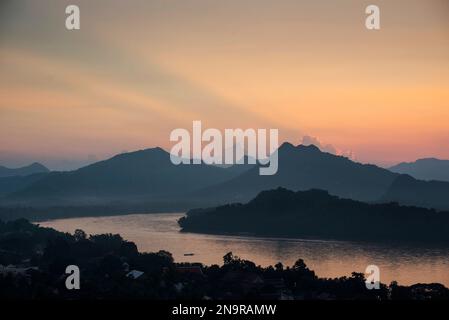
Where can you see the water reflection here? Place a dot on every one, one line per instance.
(406, 264)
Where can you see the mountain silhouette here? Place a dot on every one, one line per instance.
(306, 167)
(425, 169)
(148, 176)
(317, 214)
(23, 171)
(16, 183)
(136, 175)
(410, 191)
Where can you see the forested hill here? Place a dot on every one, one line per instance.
(318, 214)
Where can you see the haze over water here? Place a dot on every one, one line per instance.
(154, 232)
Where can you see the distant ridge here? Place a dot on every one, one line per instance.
(23, 171)
(306, 167)
(408, 190)
(134, 176)
(148, 179)
(16, 183)
(425, 169)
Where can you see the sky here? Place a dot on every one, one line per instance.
(138, 69)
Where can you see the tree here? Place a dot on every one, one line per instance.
(228, 258)
(279, 266)
(300, 265)
(79, 235)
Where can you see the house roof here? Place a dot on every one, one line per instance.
(134, 274)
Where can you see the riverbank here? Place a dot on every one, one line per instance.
(113, 268)
(408, 264)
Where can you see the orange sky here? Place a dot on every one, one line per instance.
(138, 69)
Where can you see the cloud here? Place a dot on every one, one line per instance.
(309, 140)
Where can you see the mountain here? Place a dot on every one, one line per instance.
(16, 183)
(425, 169)
(136, 176)
(306, 167)
(410, 191)
(148, 180)
(317, 214)
(23, 171)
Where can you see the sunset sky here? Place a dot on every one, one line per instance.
(138, 69)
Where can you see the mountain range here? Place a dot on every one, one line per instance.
(134, 177)
(15, 183)
(148, 176)
(23, 171)
(424, 169)
(306, 167)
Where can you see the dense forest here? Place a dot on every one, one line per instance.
(33, 262)
(316, 213)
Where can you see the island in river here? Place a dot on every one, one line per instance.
(317, 214)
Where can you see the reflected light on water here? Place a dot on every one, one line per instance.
(154, 232)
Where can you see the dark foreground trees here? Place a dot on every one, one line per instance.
(317, 214)
(33, 262)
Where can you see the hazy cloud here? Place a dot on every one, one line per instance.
(308, 140)
(326, 147)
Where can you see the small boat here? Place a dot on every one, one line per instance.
(188, 254)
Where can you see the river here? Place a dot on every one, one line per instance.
(406, 264)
